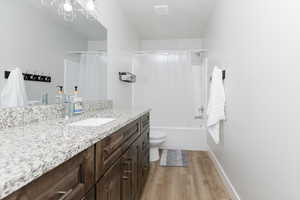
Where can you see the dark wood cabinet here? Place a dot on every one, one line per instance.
(145, 122)
(69, 181)
(145, 168)
(109, 187)
(133, 157)
(111, 148)
(130, 173)
(134, 149)
(144, 159)
(115, 168)
(134, 161)
(91, 195)
(146, 155)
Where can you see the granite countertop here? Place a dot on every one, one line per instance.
(28, 152)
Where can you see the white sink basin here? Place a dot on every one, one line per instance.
(93, 122)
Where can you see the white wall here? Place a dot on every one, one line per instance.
(97, 45)
(122, 44)
(258, 44)
(33, 42)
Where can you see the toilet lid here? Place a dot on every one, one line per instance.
(157, 135)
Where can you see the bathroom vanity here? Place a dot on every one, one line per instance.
(110, 162)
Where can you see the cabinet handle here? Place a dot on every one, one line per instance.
(64, 194)
(125, 178)
(107, 191)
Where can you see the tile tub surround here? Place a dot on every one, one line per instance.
(19, 116)
(28, 152)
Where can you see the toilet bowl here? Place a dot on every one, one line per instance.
(157, 138)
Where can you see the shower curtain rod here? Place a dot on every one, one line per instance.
(86, 52)
(173, 50)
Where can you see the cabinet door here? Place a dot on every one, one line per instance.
(143, 160)
(126, 176)
(140, 165)
(129, 173)
(110, 149)
(134, 149)
(90, 196)
(146, 167)
(109, 186)
(69, 181)
(145, 122)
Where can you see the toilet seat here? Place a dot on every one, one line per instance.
(157, 138)
(157, 135)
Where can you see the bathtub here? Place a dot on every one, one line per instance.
(186, 138)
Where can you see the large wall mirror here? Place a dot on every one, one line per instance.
(47, 50)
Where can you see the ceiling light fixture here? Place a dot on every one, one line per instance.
(68, 6)
(90, 5)
(69, 9)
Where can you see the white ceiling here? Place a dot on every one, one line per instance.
(90, 29)
(186, 19)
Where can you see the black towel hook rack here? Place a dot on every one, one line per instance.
(223, 75)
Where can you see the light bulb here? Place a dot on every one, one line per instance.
(90, 5)
(68, 6)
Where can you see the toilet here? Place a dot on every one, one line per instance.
(157, 138)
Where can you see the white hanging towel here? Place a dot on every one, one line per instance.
(216, 105)
(14, 93)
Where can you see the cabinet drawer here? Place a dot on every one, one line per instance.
(91, 195)
(131, 129)
(114, 141)
(146, 140)
(111, 144)
(111, 148)
(133, 136)
(104, 162)
(109, 186)
(70, 181)
(145, 122)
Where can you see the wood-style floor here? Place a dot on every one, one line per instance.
(198, 181)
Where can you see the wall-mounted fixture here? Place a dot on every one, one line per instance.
(31, 77)
(69, 9)
(127, 77)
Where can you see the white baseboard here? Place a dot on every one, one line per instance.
(185, 138)
(231, 189)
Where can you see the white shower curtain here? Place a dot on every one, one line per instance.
(93, 76)
(71, 76)
(90, 75)
(199, 71)
(165, 82)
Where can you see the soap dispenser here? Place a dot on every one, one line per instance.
(77, 102)
(60, 95)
